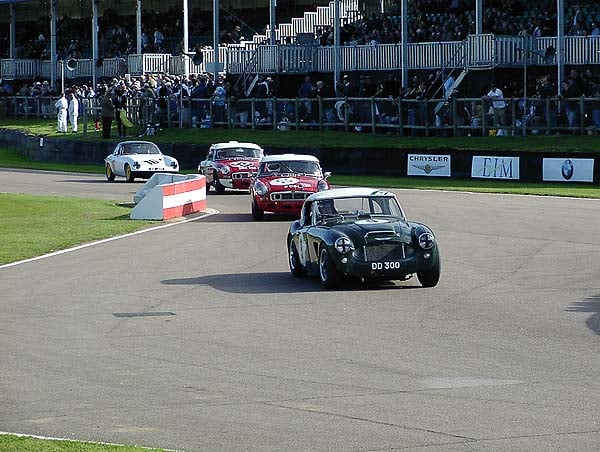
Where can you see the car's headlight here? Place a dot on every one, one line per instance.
(322, 185)
(344, 245)
(426, 240)
(260, 188)
(224, 170)
(174, 164)
(136, 165)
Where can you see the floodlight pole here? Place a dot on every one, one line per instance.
(560, 26)
(336, 44)
(53, 44)
(216, 39)
(138, 26)
(94, 43)
(186, 44)
(273, 37)
(404, 35)
(13, 31)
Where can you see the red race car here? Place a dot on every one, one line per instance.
(283, 182)
(231, 165)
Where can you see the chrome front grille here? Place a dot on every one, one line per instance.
(385, 252)
(241, 175)
(289, 196)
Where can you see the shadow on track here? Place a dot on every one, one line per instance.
(590, 304)
(281, 282)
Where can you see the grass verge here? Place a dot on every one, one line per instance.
(14, 443)
(36, 225)
(308, 139)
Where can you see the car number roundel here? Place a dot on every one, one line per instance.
(241, 164)
(284, 181)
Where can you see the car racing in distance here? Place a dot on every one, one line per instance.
(141, 159)
(231, 165)
(360, 233)
(283, 182)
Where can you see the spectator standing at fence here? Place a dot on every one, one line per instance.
(61, 107)
(595, 29)
(73, 111)
(107, 111)
(305, 93)
(496, 97)
(568, 94)
(120, 103)
(218, 98)
(262, 92)
(322, 92)
(158, 39)
(596, 106)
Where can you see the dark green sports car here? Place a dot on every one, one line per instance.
(361, 233)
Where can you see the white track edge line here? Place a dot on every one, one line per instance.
(110, 239)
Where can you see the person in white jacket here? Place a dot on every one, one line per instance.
(61, 108)
(73, 111)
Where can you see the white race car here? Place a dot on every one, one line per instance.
(142, 159)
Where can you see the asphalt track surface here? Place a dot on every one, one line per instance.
(196, 336)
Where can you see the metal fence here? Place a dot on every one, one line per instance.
(431, 117)
(475, 52)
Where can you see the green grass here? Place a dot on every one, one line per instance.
(308, 139)
(12, 443)
(34, 225)
(11, 158)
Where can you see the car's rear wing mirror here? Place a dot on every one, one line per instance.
(327, 174)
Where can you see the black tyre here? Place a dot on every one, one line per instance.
(257, 213)
(110, 176)
(129, 174)
(431, 277)
(329, 275)
(219, 187)
(294, 260)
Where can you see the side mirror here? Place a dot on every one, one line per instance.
(327, 174)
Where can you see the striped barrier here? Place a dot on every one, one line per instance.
(167, 196)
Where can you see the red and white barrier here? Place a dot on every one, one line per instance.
(167, 196)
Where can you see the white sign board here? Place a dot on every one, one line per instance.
(428, 165)
(495, 167)
(568, 170)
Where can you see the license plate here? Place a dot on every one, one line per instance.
(386, 265)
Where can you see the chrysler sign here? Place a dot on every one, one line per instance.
(428, 165)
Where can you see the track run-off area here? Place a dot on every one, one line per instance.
(197, 337)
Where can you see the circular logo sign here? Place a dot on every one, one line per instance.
(284, 181)
(567, 169)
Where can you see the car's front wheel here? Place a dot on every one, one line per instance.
(110, 175)
(219, 187)
(257, 213)
(129, 174)
(294, 260)
(431, 277)
(329, 275)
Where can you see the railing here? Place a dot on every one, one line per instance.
(479, 51)
(459, 117)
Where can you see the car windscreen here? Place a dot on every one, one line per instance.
(291, 167)
(238, 152)
(140, 148)
(360, 206)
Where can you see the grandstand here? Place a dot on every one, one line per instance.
(440, 36)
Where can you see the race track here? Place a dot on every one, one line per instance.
(196, 336)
